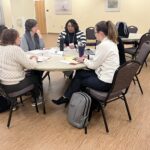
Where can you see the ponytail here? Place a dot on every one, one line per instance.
(112, 33)
(108, 28)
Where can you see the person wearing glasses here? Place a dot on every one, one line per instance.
(72, 34)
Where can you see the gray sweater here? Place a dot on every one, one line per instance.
(24, 44)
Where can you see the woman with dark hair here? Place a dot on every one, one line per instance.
(13, 62)
(32, 39)
(101, 68)
(72, 35)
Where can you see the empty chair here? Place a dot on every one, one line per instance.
(90, 36)
(132, 51)
(132, 29)
(120, 85)
(141, 57)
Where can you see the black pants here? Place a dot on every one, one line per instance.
(86, 78)
(36, 74)
(29, 80)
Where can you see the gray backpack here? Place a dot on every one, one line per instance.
(79, 109)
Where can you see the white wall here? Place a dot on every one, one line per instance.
(16, 12)
(89, 12)
(86, 12)
(22, 10)
(7, 12)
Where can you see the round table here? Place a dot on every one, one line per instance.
(133, 37)
(57, 62)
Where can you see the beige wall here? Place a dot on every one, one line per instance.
(89, 12)
(7, 12)
(86, 12)
(22, 10)
(17, 11)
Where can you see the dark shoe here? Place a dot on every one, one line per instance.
(60, 101)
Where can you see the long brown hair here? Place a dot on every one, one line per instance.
(108, 28)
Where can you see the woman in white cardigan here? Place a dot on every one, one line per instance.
(13, 61)
(101, 68)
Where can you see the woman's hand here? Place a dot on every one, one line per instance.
(39, 34)
(71, 45)
(80, 59)
(34, 58)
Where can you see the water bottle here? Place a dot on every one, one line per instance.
(81, 48)
(61, 44)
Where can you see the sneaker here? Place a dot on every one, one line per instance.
(61, 100)
(14, 108)
(39, 101)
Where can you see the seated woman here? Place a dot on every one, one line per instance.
(13, 62)
(72, 35)
(102, 66)
(32, 40)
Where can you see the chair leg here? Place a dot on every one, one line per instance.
(104, 118)
(139, 84)
(49, 77)
(134, 81)
(85, 130)
(46, 74)
(21, 100)
(43, 101)
(145, 63)
(127, 107)
(10, 112)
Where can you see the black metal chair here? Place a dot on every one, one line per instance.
(132, 29)
(90, 36)
(132, 51)
(120, 85)
(141, 57)
(12, 97)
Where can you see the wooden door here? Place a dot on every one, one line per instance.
(40, 15)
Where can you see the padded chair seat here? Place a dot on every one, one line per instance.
(130, 50)
(102, 95)
(21, 92)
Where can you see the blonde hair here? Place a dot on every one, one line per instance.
(108, 28)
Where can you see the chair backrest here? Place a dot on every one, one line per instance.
(132, 29)
(144, 38)
(90, 33)
(143, 53)
(124, 75)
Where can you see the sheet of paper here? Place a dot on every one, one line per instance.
(42, 58)
(69, 62)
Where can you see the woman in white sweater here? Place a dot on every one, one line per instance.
(101, 68)
(13, 61)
